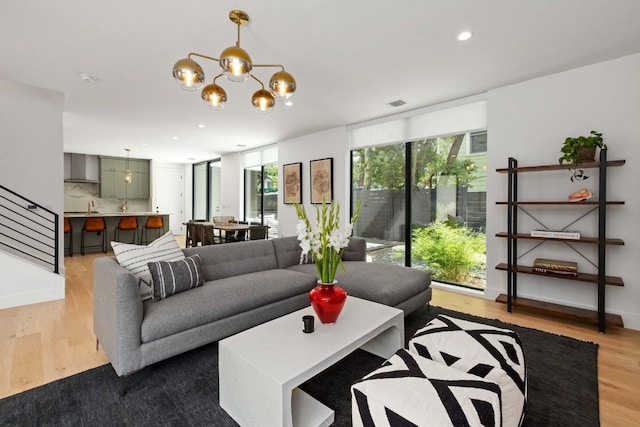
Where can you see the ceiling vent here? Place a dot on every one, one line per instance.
(396, 103)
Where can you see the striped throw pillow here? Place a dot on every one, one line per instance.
(135, 258)
(169, 278)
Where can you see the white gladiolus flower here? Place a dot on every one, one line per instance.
(325, 239)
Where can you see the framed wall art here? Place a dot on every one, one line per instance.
(321, 180)
(292, 173)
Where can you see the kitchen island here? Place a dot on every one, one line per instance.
(111, 219)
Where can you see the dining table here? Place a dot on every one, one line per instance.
(230, 229)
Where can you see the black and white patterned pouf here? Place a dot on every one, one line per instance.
(488, 352)
(411, 390)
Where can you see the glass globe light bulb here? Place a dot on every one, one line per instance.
(236, 64)
(214, 96)
(263, 101)
(283, 85)
(188, 74)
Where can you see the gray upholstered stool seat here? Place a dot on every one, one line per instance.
(412, 390)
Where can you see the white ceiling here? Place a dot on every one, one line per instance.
(349, 57)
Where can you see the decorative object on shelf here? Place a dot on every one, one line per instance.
(580, 149)
(567, 268)
(321, 180)
(325, 240)
(580, 195)
(236, 66)
(127, 173)
(556, 234)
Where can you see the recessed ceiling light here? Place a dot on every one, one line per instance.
(88, 78)
(175, 138)
(241, 145)
(288, 103)
(144, 144)
(465, 35)
(201, 126)
(191, 159)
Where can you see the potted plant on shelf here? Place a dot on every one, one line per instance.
(580, 149)
(326, 242)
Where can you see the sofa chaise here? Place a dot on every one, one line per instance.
(245, 284)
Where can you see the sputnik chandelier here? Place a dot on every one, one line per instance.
(236, 66)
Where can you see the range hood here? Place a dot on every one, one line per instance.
(81, 168)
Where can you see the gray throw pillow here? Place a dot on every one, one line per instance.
(169, 278)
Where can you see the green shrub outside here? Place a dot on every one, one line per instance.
(451, 251)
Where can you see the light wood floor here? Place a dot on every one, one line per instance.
(44, 342)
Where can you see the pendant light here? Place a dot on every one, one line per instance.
(127, 173)
(236, 66)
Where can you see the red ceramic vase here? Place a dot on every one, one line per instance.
(327, 299)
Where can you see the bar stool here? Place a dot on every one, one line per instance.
(68, 230)
(153, 223)
(126, 223)
(94, 225)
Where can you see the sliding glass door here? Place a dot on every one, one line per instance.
(206, 190)
(261, 196)
(438, 187)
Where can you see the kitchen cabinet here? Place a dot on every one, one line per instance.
(112, 185)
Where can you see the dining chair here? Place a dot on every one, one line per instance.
(208, 236)
(193, 237)
(258, 232)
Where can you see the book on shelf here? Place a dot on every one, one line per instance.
(554, 271)
(552, 234)
(555, 264)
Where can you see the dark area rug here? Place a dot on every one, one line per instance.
(183, 391)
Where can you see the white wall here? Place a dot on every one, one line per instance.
(530, 121)
(329, 143)
(231, 185)
(31, 164)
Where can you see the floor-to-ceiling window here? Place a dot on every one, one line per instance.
(206, 190)
(438, 187)
(200, 191)
(214, 189)
(261, 188)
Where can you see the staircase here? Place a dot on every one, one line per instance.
(29, 252)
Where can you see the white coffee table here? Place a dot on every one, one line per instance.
(261, 368)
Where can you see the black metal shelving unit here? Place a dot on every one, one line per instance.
(514, 205)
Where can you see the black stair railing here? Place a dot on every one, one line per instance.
(28, 230)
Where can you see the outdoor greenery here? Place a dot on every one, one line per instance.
(451, 251)
(271, 170)
(432, 160)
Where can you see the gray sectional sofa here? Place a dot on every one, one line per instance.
(246, 284)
